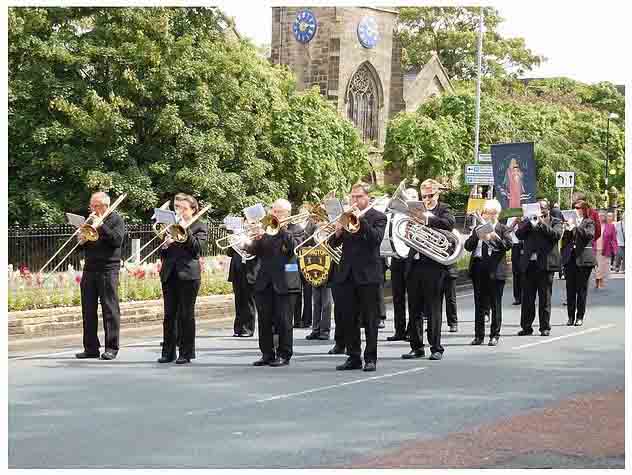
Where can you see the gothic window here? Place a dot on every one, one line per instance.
(363, 103)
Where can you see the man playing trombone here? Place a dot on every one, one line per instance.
(100, 279)
(359, 276)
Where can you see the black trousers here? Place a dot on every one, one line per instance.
(488, 294)
(425, 286)
(535, 280)
(274, 309)
(178, 326)
(101, 286)
(244, 305)
(449, 293)
(576, 289)
(517, 275)
(339, 330)
(359, 307)
(302, 307)
(398, 288)
(381, 305)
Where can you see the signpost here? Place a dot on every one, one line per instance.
(564, 180)
(478, 174)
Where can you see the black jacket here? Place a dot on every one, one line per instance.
(361, 251)
(105, 253)
(184, 259)
(238, 268)
(580, 240)
(442, 219)
(542, 239)
(279, 266)
(495, 263)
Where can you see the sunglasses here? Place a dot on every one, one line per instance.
(423, 197)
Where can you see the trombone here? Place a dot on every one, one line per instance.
(88, 231)
(178, 232)
(158, 228)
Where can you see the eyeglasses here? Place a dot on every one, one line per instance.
(423, 197)
(578, 207)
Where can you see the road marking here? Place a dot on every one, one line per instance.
(339, 385)
(70, 352)
(590, 330)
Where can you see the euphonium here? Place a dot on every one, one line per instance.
(440, 245)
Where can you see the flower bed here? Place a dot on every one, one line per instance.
(28, 291)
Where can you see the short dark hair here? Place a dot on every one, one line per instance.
(362, 185)
(583, 205)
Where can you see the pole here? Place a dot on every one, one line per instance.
(478, 87)
(607, 150)
(559, 197)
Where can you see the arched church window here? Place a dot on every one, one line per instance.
(363, 103)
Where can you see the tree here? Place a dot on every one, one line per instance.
(153, 101)
(452, 32)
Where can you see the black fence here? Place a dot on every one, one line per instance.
(33, 246)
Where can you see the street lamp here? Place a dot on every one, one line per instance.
(612, 115)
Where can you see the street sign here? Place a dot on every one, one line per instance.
(565, 179)
(485, 158)
(477, 174)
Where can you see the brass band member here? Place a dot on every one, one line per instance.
(99, 281)
(180, 275)
(488, 270)
(578, 260)
(278, 284)
(426, 279)
(539, 261)
(358, 279)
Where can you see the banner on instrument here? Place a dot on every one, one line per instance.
(514, 174)
(315, 266)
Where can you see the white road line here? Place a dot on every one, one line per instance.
(590, 330)
(70, 352)
(333, 386)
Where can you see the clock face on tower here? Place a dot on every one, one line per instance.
(368, 34)
(304, 26)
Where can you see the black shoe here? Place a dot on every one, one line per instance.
(336, 350)
(570, 323)
(183, 360)
(84, 355)
(515, 302)
(381, 324)
(525, 332)
(436, 356)
(108, 355)
(349, 364)
(454, 328)
(476, 341)
(414, 354)
(493, 341)
(579, 322)
(545, 332)
(396, 337)
(369, 366)
(312, 336)
(323, 336)
(246, 334)
(263, 362)
(236, 335)
(166, 359)
(280, 362)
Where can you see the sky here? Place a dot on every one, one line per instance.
(583, 40)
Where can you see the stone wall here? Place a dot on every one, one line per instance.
(67, 320)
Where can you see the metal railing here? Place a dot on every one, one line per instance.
(32, 246)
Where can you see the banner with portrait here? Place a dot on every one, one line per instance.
(514, 170)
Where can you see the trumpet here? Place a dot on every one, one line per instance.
(87, 232)
(236, 241)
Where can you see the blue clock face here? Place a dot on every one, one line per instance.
(304, 26)
(367, 32)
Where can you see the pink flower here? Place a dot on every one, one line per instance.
(78, 278)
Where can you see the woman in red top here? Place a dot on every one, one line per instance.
(607, 247)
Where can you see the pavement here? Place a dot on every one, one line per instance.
(533, 401)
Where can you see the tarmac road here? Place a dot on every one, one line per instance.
(221, 412)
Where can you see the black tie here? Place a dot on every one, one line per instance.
(485, 251)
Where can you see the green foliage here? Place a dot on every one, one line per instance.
(154, 101)
(452, 33)
(566, 121)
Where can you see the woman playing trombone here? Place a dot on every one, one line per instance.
(180, 275)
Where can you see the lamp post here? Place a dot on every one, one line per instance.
(612, 115)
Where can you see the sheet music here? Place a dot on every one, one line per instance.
(255, 213)
(75, 219)
(333, 207)
(234, 223)
(164, 216)
(510, 221)
(531, 209)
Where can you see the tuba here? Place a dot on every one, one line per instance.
(440, 245)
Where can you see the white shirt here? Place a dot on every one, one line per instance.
(478, 252)
(620, 233)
